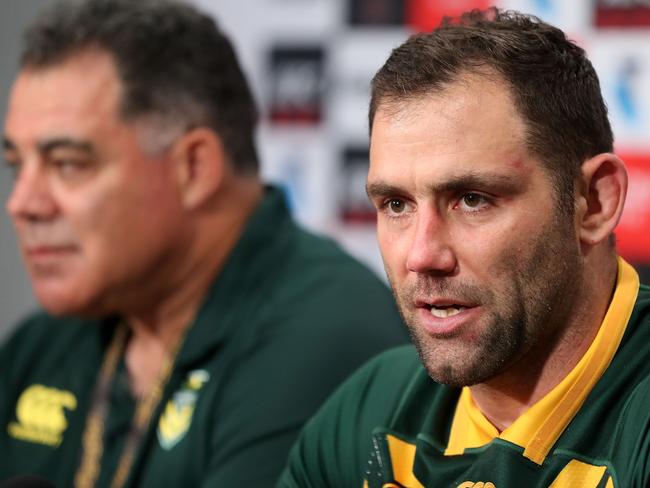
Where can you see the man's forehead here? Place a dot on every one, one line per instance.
(470, 128)
(468, 94)
(473, 113)
(63, 100)
(84, 81)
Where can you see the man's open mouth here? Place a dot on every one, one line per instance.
(444, 311)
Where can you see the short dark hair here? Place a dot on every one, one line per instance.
(174, 63)
(554, 86)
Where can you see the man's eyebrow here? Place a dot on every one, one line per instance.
(65, 143)
(469, 181)
(489, 181)
(380, 189)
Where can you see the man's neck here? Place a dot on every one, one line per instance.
(157, 329)
(506, 397)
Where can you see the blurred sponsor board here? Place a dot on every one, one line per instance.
(355, 206)
(376, 12)
(297, 84)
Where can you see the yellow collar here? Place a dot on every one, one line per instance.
(543, 423)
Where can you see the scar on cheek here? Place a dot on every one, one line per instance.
(518, 164)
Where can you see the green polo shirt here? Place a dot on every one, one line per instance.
(391, 425)
(287, 319)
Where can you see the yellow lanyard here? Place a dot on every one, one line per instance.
(92, 441)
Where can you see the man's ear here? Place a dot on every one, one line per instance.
(602, 190)
(200, 163)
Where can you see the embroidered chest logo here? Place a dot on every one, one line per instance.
(479, 484)
(176, 418)
(40, 415)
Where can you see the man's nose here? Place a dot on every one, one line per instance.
(31, 197)
(431, 250)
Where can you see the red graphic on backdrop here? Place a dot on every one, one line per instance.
(633, 232)
(622, 13)
(424, 15)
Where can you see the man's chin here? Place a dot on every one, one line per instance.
(59, 302)
(457, 370)
(63, 309)
(448, 375)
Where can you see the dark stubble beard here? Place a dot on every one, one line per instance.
(539, 289)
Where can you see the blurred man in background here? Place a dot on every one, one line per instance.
(190, 327)
(497, 195)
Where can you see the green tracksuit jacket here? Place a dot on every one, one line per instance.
(287, 319)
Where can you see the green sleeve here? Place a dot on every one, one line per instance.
(633, 439)
(277, 384)
(335, 444)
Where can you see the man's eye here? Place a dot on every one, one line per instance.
(473, 202)
(69, 167)
(396, 206)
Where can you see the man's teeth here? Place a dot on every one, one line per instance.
(446, 312)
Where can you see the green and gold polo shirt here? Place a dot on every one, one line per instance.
(390, 425)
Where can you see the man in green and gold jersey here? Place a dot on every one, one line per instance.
(190, 327)
(497, 195)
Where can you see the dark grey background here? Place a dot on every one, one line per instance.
(15, 292)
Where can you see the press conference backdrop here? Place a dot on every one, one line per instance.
(310, 62)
